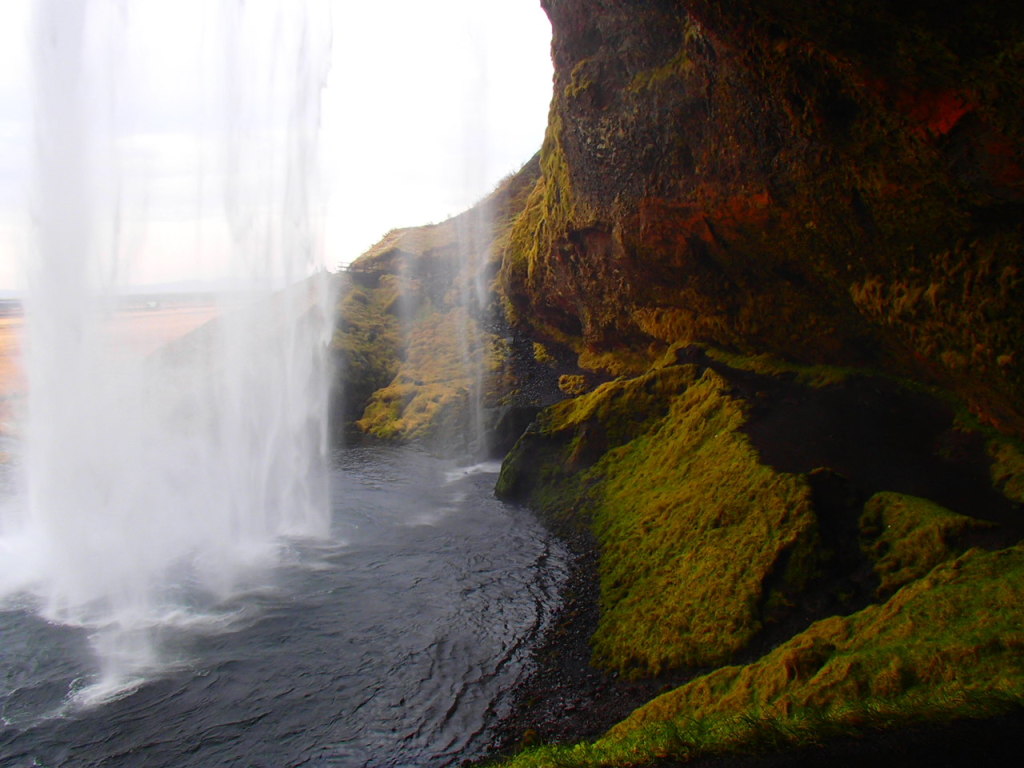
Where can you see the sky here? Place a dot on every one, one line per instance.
(174, 133)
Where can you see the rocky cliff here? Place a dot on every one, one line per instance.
(772, 256)
(793, 232)
(424, 353)
(837, 182)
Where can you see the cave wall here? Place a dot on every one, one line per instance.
(834, 182)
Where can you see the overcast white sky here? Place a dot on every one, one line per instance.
(426, 107)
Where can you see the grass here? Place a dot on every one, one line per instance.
(366, 342)
(415, 354)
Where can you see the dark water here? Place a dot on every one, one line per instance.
(395, 644)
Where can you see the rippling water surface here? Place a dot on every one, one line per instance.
(394, 643)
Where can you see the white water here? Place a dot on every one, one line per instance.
(473, 294)
(154, 489)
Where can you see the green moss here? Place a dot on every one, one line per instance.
(415, 356)
(771, 365)
(580, 79)
(1007, 467)
(623, 409)
(625, 361)
(681, 65)
(572, 384)
(689, 740)
(549, 213)
(541, 354)
(691, 525)
(433, 383)
(946, 646)
(906, 537)
(956, 630)
(366, 343)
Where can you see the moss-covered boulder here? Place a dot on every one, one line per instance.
(955, 632)
(728, 498)
(741, 502)
(699, 541)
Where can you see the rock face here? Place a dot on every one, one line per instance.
(833, 183)
(770, 263)
(793, 233)
(422, 353)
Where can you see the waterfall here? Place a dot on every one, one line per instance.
(474, 234)
(156, 488)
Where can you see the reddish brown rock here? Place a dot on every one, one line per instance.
(834, 182)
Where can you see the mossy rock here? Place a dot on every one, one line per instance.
(956, 631)
(906, 537)
(433, 382)
(1007, 468)
(838, 184)
(365, 347)
(943, 648)
(572, 384)
(693, 530)
(418, 353)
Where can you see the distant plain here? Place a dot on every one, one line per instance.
(135, 332)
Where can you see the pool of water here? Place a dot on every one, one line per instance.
(395, 642)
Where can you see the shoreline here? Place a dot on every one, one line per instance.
(564, 699)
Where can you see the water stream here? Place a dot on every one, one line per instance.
(394, 641)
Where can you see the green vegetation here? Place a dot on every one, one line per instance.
(906, 537)
(1007, 467)
(946, 646)
(415, 356)
(541, 354)
(771, 365)
(691, 594)
(688, 739)
(431, 389)
(679, 66)
(957, 630)
(702, 546)
(691, 526)
(572, 384)
(366, 343)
